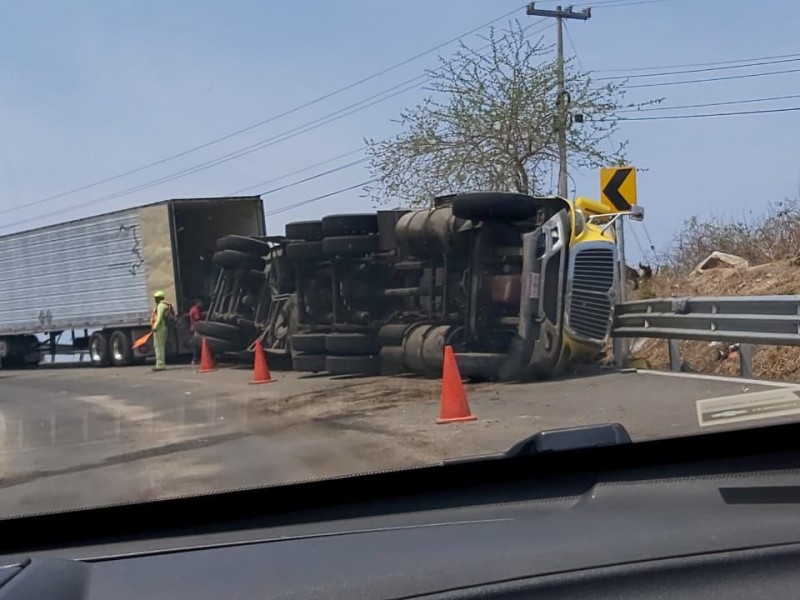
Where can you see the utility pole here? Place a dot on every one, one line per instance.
(563, 96)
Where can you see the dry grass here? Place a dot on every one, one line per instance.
(762, 239)
(769, 362)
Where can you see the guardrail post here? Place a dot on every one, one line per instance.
(674, 355)
(746, 360)
(619, 352)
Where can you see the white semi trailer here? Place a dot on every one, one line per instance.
(86, 286)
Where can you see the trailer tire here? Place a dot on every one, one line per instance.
(309, 231)
(310, 363)
(121, 348)
(484, 206)
(98, 349)
(304, 251)
(351, 344)
(309, 343)
(367, 364)
(356, 224)
(350, 245)
(244, 244)
(223, 331)
(238, 261)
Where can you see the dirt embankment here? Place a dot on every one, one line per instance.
(769, 362)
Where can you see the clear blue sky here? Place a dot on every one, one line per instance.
(91, 88)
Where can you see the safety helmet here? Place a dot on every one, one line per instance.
(159, 295)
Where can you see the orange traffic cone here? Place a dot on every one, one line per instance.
(206, 360)
(261, 368)
(454, 405)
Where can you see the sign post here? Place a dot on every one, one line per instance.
(618, 193)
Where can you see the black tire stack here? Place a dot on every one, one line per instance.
(352, 354)
(349, 236)
(224, 337)
(308, 352)
(240, 253)
(228, 333)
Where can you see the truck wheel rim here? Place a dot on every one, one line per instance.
(117, 351)
(95, 352)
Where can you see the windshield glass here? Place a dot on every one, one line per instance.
(256, 243)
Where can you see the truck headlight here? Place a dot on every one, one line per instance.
(580, 222)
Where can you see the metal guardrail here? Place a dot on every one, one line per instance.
(742, 320)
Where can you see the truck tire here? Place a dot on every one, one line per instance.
(99, 352)
(350, 245)
(309, 343)
(367, 364)
(309, 231)
(223, 331)
(120, 347)
(310, 363)
(356, 224)
(484, 206)
(392, 334)
(244, 244)
(304, 251)
(237, 261)
(350, 344)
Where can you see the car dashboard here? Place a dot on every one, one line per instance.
(670, 519)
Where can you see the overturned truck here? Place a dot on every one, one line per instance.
(519, 286)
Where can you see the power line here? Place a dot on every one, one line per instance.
(638, 243)
(294, 132)
(652, 245)
(212, 163)
(623, 3)
(271, 141)
(729, 77)
(296, 172)
(274, 117)
(709, 104)
(703, 70)
(312, 177)
(578, 58)
(702, 64)
(706, 115)
(572, 46)
(289, 207)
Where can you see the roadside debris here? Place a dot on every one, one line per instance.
(720, 260)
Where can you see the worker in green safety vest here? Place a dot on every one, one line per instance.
(158, 323)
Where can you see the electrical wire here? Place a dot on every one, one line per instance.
(289, 207)
(703, 70)
(273, 118)
(623, 3)
(729, 77)
(707, 115)
(652, 245)
(212, 163)
(702, 64)
(294, 132)
(709, 104)
(313, 177)
(296, 172)
(637, 242)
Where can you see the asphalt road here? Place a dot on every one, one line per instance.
(78, 437)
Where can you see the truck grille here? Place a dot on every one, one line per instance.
(591, 296)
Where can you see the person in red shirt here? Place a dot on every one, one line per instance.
(195, 315)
